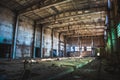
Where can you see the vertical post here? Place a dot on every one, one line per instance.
(15, 31)
(59, 44)
(65, 46)
(80, 47)
(109, 24)
(79, 44)
(41, 41)
(33, 43)
(93, 49)
(52, 42)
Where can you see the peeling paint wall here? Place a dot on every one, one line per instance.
(86, 41)
(55, 42)
(6, 25)
(47, 42)
(37, 36)
(24, 37)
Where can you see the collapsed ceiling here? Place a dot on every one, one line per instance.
(71, 18)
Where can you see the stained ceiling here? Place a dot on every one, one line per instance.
(72, 18)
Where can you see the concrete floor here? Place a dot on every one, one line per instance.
(94, 70)
(53, 69)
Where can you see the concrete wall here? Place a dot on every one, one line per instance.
(94, 42)
(47, 42)
(24, 37)
(55, 41)
(37, 36)
(6, 25)
(86, 41)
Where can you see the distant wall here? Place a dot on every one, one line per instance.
(47, 42)
(86, 41)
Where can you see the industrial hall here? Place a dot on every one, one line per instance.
(59, 39)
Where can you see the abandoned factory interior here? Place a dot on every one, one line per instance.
(59, 39)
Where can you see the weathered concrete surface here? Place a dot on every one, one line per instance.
(24, 37)
(47, 42)
(6, 25)
(37, 36)
(42, 70)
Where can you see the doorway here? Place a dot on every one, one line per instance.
(37, 52)
(5, 50)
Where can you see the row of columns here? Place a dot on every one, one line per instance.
(14, 41)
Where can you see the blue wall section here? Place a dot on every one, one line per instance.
(6, 25)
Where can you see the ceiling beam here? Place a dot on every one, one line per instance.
(81, 31)
(80, 9)
(54, 9)
(66, 30)
(70, 16)
(81, 35)
(84, 37)
(6, 6)
(39, 4)
(81, 24)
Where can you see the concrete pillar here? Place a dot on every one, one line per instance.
(59, 44)
(93, 47)
(52, 42)
(79, 45)
(65, 46)
(33, 43)
(15, 31)
(41, 41)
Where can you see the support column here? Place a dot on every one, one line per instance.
(15, 31)
(79, 44)
(33, 43)
(52, 43)
(65, 46)
(93, 48)
(59, 44)
(41, 41)
(110, 27)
